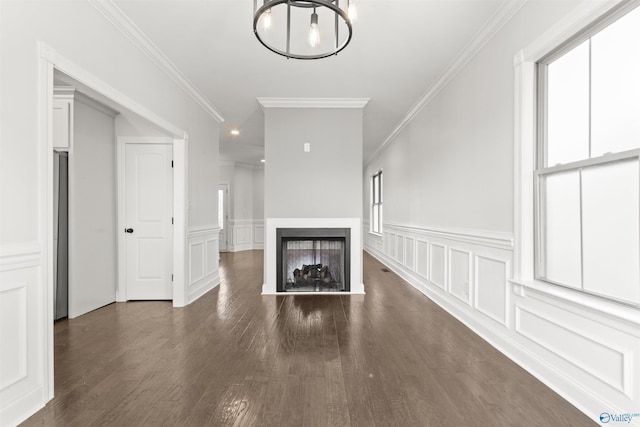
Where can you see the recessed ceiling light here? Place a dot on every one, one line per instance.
(262, 160)
(235, 132)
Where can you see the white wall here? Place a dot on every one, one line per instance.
(449, 231)
(80, 34)
(226, 174)
(243, 192)
(128, 124)
(92, 210)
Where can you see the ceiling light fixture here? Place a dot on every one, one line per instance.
(235, 132)
(282, 26)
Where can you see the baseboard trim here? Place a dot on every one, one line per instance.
(207, 285)
(23, 407)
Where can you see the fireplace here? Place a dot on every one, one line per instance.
(313, 259)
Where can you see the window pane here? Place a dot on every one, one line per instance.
(376, 189)
(376, 218)
(560, 194)
(568, 107)
(610, 196)
(615, 67)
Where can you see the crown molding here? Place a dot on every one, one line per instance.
(129, 29)
(313, 102)
(504, 13)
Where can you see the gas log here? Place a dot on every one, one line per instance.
(311, 274)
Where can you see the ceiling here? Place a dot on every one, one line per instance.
(398, 50)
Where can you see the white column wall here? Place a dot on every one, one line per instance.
(313, 175)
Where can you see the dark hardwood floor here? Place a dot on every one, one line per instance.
(236, 358)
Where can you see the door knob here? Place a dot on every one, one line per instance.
(128, 230)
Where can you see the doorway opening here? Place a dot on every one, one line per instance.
(54, 66)
(60, 235)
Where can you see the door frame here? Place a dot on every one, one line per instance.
(48, 60)
(179, 199)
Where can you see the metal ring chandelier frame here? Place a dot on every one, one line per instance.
(333, 5)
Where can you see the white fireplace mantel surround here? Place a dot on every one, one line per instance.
(272, 224)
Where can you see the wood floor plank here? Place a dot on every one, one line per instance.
(234, 357)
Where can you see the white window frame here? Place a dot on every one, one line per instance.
(542, 170)
(376, 205)
(588, 17)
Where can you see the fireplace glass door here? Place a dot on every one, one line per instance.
(314, 265)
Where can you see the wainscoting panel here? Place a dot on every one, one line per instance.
(400, 249)
(460, 274)
(374, 240)
(422, 258)
(258, 234)
(211, 251)
(13, 334)
(23, 311)
(196, 255)
(438, 264)
(607, 362)
(492, 292)
(241, 236)
(409, 253)
(586, 349)
(387, 244)
(204, 275)
(246, 234)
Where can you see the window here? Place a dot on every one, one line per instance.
(376, 203)
(588, 162)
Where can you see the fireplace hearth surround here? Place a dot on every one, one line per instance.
(270, 284)
(313, 259)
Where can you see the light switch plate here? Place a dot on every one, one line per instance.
(307, 147)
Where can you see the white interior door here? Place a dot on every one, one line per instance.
(223, 216)
(148, 221)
